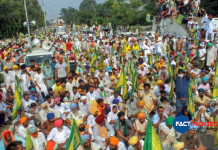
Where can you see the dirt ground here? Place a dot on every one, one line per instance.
(207, 139)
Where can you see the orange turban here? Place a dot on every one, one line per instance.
(212, 64)
(93, 109)
(56, 55)
(23, 119)
(114, 140)
(141, 103)
(141, 115)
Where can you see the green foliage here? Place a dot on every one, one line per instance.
(119, 13)
(210, 6)
(12, 16)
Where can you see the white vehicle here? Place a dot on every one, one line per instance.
(60, 30)
(39, 55)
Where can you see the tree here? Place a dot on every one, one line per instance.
(210, 6)
(69, 15)
(12, 16)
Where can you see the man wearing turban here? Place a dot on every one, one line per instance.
(49, 73)
(103, 107)
(61, 107)
(88, 144)
(115, 144)
(45, 110)
(135, 143)
(148, 96)
(37, 138)
(59, 134)
(94, 113)
(22, 128)
(167, 133)
(104, 92)
(140, 125)
(75, 113)
(48, 125)
(124, 128)
(102, 131)
(8, 137)
(191, 139)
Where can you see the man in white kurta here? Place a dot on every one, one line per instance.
(101, 124)
(8, 78)
(62, 108)
(211, 26)
(59, 134)
(40, 82)
(84, 106)
(26, 103)
(39, 141)
(211, 54)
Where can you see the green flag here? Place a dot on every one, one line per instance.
(121, 79)
(152, 140)
(215, 83)
(29, 142)
(74, 139)
(179, 18)
(17, 99)
(191, 104)
(100, 64)
(134, 83)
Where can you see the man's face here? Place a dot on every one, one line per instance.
(19, 147)
(8, 137)
(122, 118)
(201, 94)
(25, 124)
(142, 120)
(160, 111)
(116, 95)
(52, 120)
(84, 101)
(74, 90)
(95, 114)
(87, 144)
(113, 147)
(91, 89)
(115, 110)
(191, 133)
(50, 92)
(74, 109)
(32, 63)
(147, 88)
(26, 97)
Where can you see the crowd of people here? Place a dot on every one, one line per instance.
(82, 83)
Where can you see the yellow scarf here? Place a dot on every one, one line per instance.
(101, 133)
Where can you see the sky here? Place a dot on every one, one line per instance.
(53, 7)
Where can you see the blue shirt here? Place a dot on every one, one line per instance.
(37, 100)
(181, 85)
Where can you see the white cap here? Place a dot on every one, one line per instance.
(83, 98)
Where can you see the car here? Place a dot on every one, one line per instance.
(38, 55)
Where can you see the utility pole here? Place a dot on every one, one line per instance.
(45, 19)
(27, 21)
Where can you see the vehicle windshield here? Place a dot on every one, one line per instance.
(37, 58)
(60, 29)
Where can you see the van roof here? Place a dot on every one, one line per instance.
(40, 52)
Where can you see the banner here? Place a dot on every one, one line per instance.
(148, 18)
